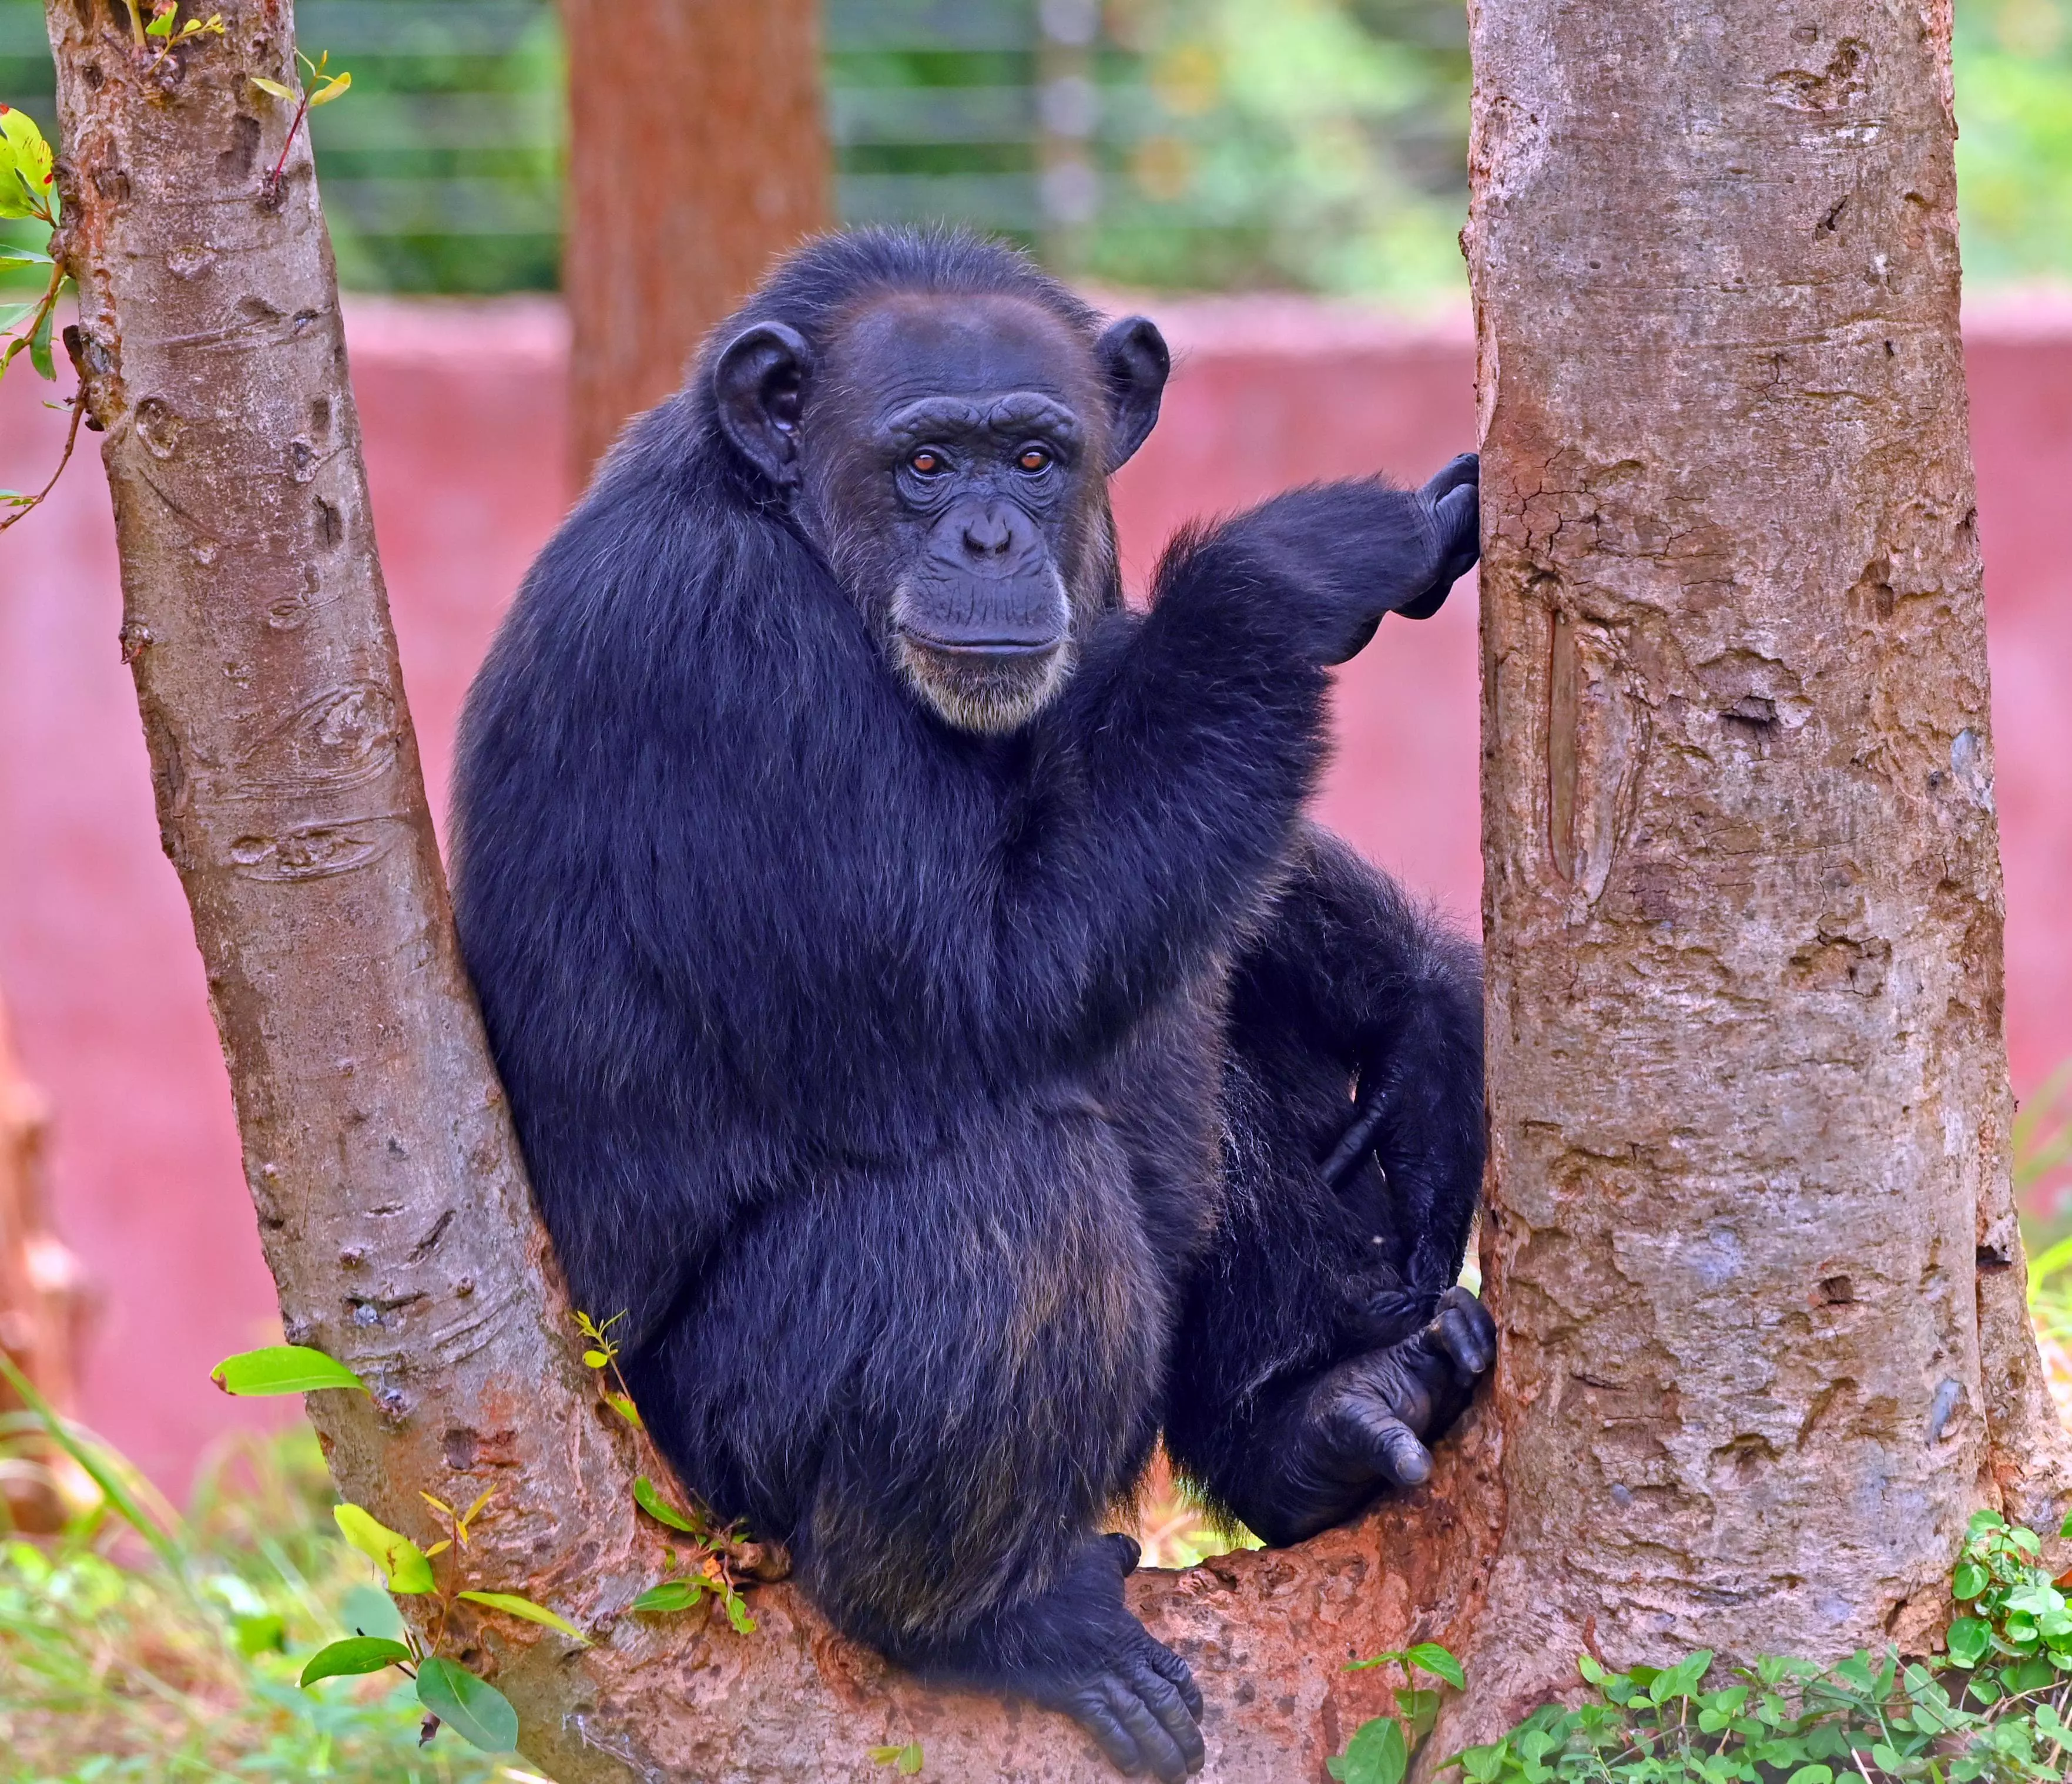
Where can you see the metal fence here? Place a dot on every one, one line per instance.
(1062, 122)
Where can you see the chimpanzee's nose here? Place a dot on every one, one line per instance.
(989, 532)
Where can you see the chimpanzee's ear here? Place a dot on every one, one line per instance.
(1133, 362)
(760, 380)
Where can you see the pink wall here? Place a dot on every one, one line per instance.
(462, 409)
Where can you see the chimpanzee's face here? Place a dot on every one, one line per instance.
(950, 453)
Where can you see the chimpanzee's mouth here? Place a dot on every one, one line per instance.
(982, 649)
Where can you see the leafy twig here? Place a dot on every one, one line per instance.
(326, 88)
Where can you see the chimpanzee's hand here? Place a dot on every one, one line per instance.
(1362, 1427)
(1455, 496)
(1344, 555)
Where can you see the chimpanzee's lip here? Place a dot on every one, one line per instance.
(983, 649)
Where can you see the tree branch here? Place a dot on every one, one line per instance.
(390, 1194)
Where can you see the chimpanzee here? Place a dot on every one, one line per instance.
(926, 1013)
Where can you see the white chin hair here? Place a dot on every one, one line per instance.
(987, 700)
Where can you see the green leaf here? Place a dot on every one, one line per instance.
(272, 86)
(368, 1610)
(1429, 1657)
(1680, 1680)
(40, 345)
(282, 1369)
(906, 1760)
(356, 1655)
(475, 1709)
(1812, 1774)
(266, 1632)
(336, 88)
(625, 1409)
(162, 25)
(736, 1613)
(513, 1605)
(671, 1595)
(15, 254)
(648, 1497)
(1376, 1754)
(1419, 1709)
(595, 1360)
(402, 1563)
(25, 165)
(1970, 1580)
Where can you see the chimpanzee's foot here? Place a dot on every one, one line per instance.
(1361, 1428)
(1078, 1650)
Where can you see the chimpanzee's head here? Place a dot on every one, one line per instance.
(941, 419)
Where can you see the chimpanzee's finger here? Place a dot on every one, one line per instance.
(1464, 1334)
(1155, 1745)
(1170, 1666)
(1466, 468)
(1162, 1698)
(1371, 1436)
(1091, 1707)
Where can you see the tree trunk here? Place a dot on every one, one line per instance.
(1751, 1238)
(696, 153)
(391, 1197)
(43, 1302)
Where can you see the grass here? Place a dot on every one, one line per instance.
(177, 1660)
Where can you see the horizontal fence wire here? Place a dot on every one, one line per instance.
(1051, 122)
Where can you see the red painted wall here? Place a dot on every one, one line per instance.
(461, 408)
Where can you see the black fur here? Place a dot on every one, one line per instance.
(880, 1070)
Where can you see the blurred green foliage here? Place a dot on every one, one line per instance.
(2014, 151)
(178, 1660)
(1316, 144)
(1313, 144)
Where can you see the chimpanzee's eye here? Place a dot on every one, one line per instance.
(925, 463)
(1033, 459)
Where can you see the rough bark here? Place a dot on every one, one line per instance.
(696, 152)
(1750, 1239)
(390, 1193)
(43, 1302)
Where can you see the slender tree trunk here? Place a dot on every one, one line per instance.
(1751, 1238)
(42, 1294)
(391, 1197)
(696, 153)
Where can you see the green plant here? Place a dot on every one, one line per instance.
(1993, 1710)
(602, 1356)
(140, 1644)
(29, 191)
(450, 1694)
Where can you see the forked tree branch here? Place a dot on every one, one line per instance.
(391, 1197)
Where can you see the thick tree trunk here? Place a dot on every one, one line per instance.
(696, 153)
(1751, 1237)
(391, 1197)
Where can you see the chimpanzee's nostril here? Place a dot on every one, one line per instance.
(988, 534)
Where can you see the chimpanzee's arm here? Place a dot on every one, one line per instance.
(1318, 1342)
(1188, 739)
(1379, 983)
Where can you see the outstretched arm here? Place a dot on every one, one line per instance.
(1189, 737)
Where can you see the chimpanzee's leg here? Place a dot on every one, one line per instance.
(1321, 1338)
(931, 1377)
